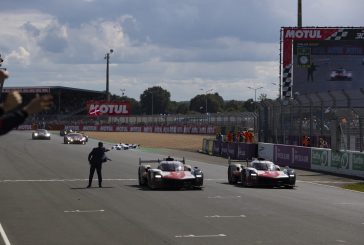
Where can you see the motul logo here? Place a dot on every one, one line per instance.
(298, 34)
(108, 109)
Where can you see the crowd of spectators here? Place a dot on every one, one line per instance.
(246, 136)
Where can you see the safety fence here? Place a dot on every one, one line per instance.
(349, 163)
(335, 116)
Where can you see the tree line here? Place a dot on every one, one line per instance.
(156, 100)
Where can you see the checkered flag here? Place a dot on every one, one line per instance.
(287, 81)
(340, 34)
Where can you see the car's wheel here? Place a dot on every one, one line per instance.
(150, 182)
(232, 180)
(244, 180)
(141, 180)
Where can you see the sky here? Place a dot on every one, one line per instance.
(187, 47)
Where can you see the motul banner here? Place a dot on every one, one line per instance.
(97, 108)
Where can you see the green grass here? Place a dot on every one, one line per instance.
(355, 187)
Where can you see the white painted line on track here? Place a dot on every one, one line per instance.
(3, 235)
(328, 182)
(215, 179)
(223, 197)
(226, 216)
(335, 187)
(58, 180)
(199, 236)
(84, 211)
(70, 180)
(340, 241)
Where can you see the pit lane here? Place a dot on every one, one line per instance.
(42, 185)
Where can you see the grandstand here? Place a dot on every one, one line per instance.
(67, 101)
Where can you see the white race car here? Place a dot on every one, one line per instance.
(123, 146)
(341, 74)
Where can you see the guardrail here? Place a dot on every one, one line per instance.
(349, 163)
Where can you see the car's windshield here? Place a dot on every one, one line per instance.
(264, 166)
(74, 135)
(171, 166)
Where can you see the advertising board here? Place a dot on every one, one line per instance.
(116, 108)
(338, 35)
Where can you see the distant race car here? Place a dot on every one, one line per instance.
(123, 146)
(341, 74)
(75, 138)
(260, 172)
(169, 173)
(41, 134)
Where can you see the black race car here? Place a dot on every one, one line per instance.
(41, 134)
(75, 138)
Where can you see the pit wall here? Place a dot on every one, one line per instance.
(349, 163)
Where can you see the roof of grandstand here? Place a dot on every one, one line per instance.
(47, 89)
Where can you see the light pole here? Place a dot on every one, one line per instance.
(122, 91)
(107, 57)
(255, 96)
(206, 92)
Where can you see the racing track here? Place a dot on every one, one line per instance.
(43, 201)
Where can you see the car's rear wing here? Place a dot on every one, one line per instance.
(245, 162)
(183, 160)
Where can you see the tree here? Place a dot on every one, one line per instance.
(249, 105)
(134, 104)
(214, 103)
(262, 97)
(155, 100)
(234, 106)
(178, 107)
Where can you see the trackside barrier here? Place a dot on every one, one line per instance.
(232, 150)
(349, 163)
(207, 146)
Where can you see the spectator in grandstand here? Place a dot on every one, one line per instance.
(230, 136)
(306, 141)
(249, 136)
(11, 115)
(310, 70)
(241, 136)
(219, 137)
(96, 158)
(323, 143)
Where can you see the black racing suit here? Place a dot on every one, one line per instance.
(11, 119)
(96, 158)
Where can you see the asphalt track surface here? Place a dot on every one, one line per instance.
(44, 201)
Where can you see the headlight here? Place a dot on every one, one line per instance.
(253, 174)
(157, 176)
(198, 175)
(35, 134)
(48, 134)
(292, 175)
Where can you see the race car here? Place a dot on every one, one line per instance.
(169, 173)
(41, 134)
(124, 146)
(341, 74)
(75, 138)
(260, 172)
